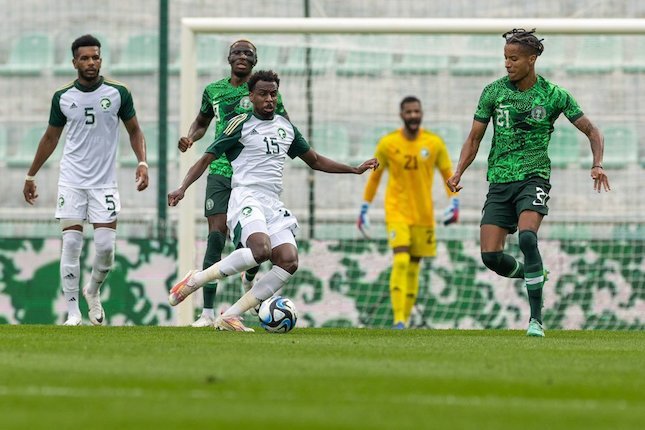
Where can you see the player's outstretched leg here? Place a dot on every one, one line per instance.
(238, 261)
(183, 289)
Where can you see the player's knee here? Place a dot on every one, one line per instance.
(261, 249)
(288, 262)
(401, 261)
(72, 243)
(528, 241)
(104, 242)
(492, 259)
(217, 223)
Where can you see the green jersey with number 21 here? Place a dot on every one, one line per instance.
(523, 123)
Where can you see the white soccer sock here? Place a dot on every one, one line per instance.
(246, 302)
(70, 269)
(236, 262)
(270, 284)
(104, 241)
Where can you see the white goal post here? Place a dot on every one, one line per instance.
(190, 27)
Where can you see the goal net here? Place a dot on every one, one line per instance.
(342, 81)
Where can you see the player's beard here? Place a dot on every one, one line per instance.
(90, 77)
(413, 125)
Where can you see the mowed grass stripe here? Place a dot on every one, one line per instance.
(168, 377)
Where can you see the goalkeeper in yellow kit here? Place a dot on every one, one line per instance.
(411, 154)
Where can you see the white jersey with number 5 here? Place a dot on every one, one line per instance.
(91, 115)
(257, 150)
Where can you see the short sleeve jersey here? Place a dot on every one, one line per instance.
(523, 123)
(257, 150)
(92, 116)
(223, 101)
(411, 165)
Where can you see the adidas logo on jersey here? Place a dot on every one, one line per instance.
(254, 131)
(73, 106)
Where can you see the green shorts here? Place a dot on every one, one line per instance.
(218, 191)
(505, 202)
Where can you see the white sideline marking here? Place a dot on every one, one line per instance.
(430, 399)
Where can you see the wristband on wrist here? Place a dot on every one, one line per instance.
(142, 163)
(596, 165)
(30, 178)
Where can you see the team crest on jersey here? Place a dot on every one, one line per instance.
(538, 113)
(61, 201)
(425, 153)
(209, 204)
(282, 133)
(105, 103)
(245, 103)
(247, 211)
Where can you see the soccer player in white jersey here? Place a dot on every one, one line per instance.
(257, 146)
(91, 108)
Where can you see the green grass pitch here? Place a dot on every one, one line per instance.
(183, 378)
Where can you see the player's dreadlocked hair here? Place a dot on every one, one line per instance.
(526, 38)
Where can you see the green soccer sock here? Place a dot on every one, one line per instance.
(503, 264)
(533, 272)
(213, 254)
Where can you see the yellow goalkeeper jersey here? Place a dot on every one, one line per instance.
(411, 165)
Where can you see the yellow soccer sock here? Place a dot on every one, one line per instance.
(398, 284)
(412, 291)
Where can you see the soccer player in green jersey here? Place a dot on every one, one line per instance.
(222, 100)
(523, 107)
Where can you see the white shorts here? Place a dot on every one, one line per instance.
(247, 206)
(101, 205)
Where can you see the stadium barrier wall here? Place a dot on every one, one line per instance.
(592, 285)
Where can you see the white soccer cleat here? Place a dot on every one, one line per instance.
(96, 312)
(231, 323)
(182, 289)
(204, 321)
(73, 320)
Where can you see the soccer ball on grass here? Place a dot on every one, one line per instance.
(278, 315)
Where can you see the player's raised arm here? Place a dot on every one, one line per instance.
(320, 162)
(468, 154)
(597, 143)
(46, 147)
(196, 131)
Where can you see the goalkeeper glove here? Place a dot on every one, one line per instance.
(363, 222)
(451, 214)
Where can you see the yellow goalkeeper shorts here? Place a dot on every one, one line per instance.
(420, 239)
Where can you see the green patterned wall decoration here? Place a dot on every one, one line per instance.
(593, 284)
